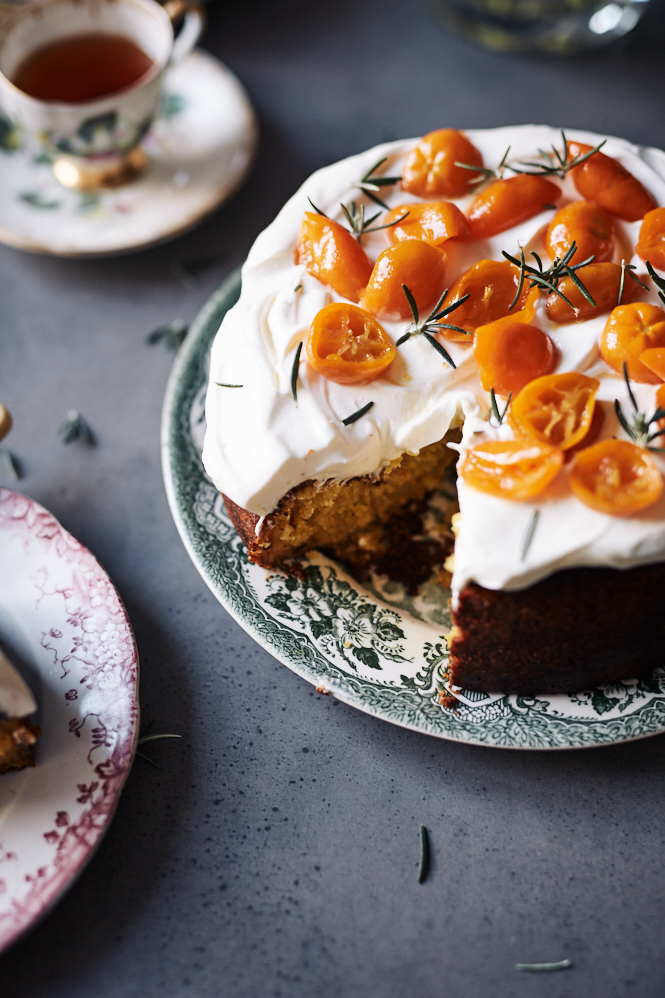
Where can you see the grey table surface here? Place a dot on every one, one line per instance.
(275, 851)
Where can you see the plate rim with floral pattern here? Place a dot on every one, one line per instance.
(368, 647)
(63, 622)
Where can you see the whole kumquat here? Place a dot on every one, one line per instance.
(651, 241)
(556, 409)
(510, 469)
(602, 281)
(605, 181)
(332, 255)
(492, 286)
(506, 203)
(430, 171)
(616, 477)
(418, 265)
(510, 354)
(586, 224)
(432, 221)
(347, 345)
(629, 331)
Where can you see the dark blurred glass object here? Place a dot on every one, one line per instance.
(556, 26)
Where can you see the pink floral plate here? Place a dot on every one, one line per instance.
(63, 624)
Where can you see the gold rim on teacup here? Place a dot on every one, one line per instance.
(95, 144)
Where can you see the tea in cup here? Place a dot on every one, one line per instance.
(86, 77)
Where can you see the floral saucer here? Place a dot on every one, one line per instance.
(201, 147)
(64, 626)
(373, 646)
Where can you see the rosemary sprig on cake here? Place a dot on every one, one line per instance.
(549, 279)
(558, 164)
(494, 408)
(628, 268)
(639, 429)
(429, 326)
(486, 173)
(371, 185)
(355, 416)
(360, 226)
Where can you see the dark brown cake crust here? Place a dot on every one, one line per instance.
(579, 628)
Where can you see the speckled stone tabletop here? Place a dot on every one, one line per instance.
(275, 851)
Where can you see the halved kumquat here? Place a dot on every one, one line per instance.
(510, 469)
(431, 221)
(629, 331)
(605, 181)
(506, 203)
(418, 265)
(556, 409)
(616, 477)
(347, 345)
(331, 254)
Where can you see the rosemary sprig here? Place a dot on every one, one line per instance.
(432, 323)
(499, 416)
(559, 965)
(317, 210)
(628, 268)
(423, 868)
(10, 463)
(549, 279)
(223, 384)
(297, 287)
(294, 372)
(371, 185)
(528, 537)
(171, 334)
(638, 430)
(359, 225)
(74, 427)
(485, 173)
(557, 164)
(658, 281)
(357, 415)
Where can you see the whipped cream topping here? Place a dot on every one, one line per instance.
(259, 443)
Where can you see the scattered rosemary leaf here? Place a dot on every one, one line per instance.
(294, 372)
(357, 415)
(549, 207)
(297, 287)
(317, 210)
(423, 869)
(223, 384)
(559, 965)
(499, 416)
(658, 281)
(172, 334)
(10, 464)
(74, 427)
(530, 532)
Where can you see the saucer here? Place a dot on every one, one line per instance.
(201, 147)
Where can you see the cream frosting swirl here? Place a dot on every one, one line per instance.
(259, 444)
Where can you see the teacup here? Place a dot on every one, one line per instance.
(94, 143)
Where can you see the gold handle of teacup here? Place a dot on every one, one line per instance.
(6, 421)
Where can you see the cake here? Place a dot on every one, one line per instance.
(344, 384)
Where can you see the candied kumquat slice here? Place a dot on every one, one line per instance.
(654, 359)
(506, 203)
(651, 241)
(616, 477)
(510, 354)
(556, 409)
(492, 286)
(347, 345)
(430, 171)
(586, 224)
(418, 265)
(605, 181)
(629, 331)
(602, 281)
(431, 221)
(331, 254)
(510, 469)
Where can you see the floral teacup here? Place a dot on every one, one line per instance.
(94, 143)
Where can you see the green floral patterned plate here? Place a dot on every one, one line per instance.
(374, 647)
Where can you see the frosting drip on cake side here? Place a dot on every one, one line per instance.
(259, 444)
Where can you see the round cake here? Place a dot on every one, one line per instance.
(491, 294)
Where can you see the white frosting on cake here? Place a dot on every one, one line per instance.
(259, 444)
